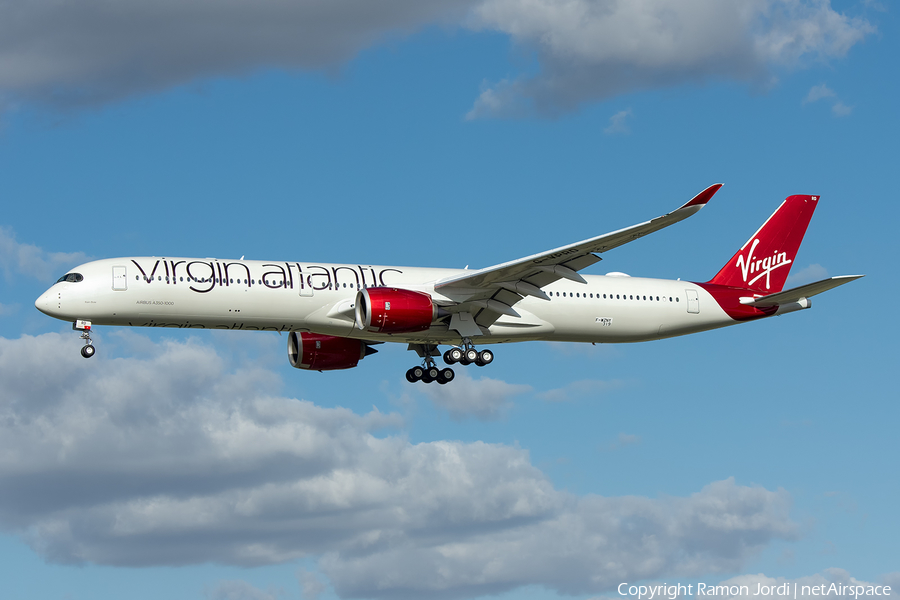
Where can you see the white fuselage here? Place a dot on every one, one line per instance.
(319, 298)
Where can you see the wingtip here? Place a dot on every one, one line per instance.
(705, 196)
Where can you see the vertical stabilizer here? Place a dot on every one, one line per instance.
(763, 263)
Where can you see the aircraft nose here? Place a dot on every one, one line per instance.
(47, 303)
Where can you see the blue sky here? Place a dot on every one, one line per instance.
(201, 466)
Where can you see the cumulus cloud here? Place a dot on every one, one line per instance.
(590, 50)
(75, 54)
(188, 456)
(484, 398)
(310, 585)
(93, 50)
(31, 260)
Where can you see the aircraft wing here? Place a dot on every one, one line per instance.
(799, 293)
(492, 291)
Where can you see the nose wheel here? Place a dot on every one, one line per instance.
(84, 327)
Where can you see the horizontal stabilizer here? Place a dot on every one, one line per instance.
(799, 293)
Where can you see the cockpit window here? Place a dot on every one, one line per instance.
(71, 278)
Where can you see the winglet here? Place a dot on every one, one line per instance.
(704, 196)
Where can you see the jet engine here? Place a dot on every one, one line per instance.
(394, 310)
(325, 352)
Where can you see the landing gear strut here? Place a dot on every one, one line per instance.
(84, 327)
(429, 372)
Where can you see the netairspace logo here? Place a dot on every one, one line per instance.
(784, 590)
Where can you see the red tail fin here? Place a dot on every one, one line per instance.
(763, 263)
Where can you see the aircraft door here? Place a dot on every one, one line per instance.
(305, 287)
(693, 302)
(120, 282)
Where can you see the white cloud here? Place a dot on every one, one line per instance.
(590, 50)
(618, 124)
(817, 92)
(484, 399)
(69, 55)
(239, 590)
(839, 109)
(310, 585)
(187, 456)
(814, 272)
(28, 259)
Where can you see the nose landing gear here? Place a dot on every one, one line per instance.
(84, 327)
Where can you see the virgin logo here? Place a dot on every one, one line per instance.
(760, 267)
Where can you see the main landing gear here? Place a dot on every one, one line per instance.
(428, 372)
(84, 327)
(466, 354)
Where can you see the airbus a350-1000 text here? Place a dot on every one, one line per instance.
(334, 313)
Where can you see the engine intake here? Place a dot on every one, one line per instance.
(394, 310)
(316, 352)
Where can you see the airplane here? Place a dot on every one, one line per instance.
(334, 313)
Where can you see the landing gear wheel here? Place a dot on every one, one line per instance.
(485, 357)
(453, 355)
(411, 375)
(87, 351)
(432, 373)
(470, 356)
(417, 373)
(446, 376)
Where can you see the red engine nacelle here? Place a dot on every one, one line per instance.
(325, 352)
(394, 310)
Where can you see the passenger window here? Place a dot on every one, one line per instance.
(677, 299)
